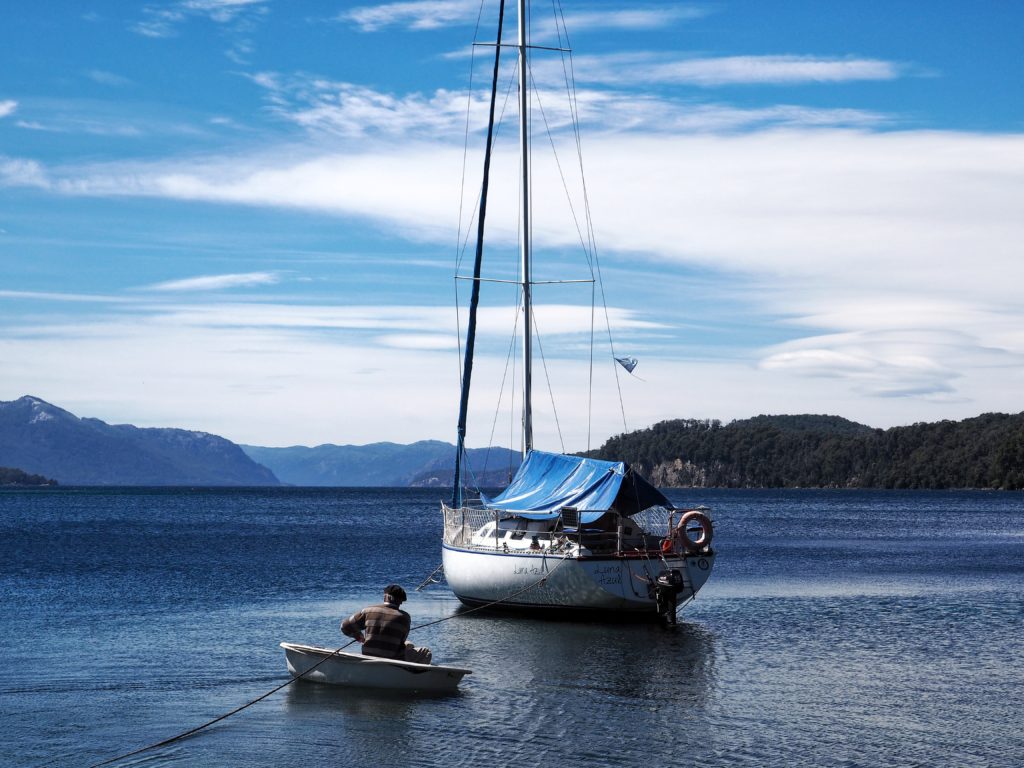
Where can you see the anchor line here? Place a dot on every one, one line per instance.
(293, 678)
(225, 716)
(430, 579)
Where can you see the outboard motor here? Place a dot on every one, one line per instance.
(667, 585)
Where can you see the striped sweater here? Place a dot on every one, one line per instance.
(385, 628)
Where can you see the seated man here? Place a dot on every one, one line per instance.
(383, 629)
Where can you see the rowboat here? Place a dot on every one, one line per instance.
(325, 665)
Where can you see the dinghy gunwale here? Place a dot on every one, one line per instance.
(413, 668)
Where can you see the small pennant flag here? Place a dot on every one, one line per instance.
(629, 363)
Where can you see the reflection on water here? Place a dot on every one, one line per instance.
(536, 685)
(304, 696)
(626, 661)
(822, 639)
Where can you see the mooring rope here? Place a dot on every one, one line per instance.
(225, 716)
(236, 710)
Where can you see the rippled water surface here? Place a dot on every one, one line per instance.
(840, 628)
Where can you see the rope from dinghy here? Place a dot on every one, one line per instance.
(293, 678)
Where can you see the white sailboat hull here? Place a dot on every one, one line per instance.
(356, 670)
(568, 533)
(551, 581)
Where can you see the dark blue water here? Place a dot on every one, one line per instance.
(840, 628)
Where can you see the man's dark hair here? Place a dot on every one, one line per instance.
(396, 593)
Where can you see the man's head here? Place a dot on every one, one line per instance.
(394, 594)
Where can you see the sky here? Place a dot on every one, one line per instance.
(246, 217)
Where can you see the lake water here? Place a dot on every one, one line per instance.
(840, 628)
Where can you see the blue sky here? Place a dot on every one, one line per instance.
(242, 216)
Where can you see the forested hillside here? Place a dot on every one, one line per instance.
(10, 476)
(827, 451)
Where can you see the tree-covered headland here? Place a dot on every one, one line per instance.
(826, 452)
(20, 479)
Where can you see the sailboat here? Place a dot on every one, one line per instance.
(569, 535)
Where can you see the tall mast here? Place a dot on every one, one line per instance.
(525, 237)
(474, 301)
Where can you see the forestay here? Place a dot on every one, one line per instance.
(547, 482)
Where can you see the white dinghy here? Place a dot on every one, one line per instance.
(355, 670)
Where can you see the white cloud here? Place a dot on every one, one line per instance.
(636, 18)
(306, 389)
(162, 20)
(434, 14)
(804, 204)
(70, 123)
(400, 322)
(419, 14)
(624, 111)
(8, 107)
(220, 10)
(659, 68)
(890, 259)
(888, 364)
(352, 111)
(217, 282)
(319, 374)
(62, 297)
(317, 388)
(108, 117)
(107, 78)
(417, 341)
(22, 173)
(904, 345)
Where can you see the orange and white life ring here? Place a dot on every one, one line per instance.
(703, 540)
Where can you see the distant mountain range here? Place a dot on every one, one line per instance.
(424, 464)
(806, 451)
(37, 437)
(40, 438)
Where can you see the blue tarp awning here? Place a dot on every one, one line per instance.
(547, 482)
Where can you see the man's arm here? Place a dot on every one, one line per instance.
(354, 625)
(406, 625)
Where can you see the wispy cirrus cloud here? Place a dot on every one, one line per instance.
(405, 321)
(621, 111)
(56, 296)
(416, 14)
(104, 117)
(353, 111)
(636, 18)
(8, 107)
(433, 14)
(82, 124)
(810, 224)
(895, 362)
(19, 172)
(104, 77)
(163, 20)
(660, 68)
(217, 282)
